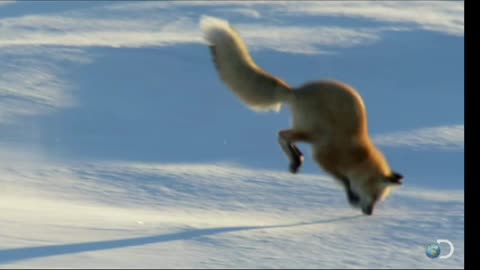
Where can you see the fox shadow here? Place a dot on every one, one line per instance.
(25, 253)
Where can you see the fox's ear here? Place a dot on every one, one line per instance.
(395, 178)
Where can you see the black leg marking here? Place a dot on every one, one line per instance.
(293, 154)
(297, 158)
(352, 197)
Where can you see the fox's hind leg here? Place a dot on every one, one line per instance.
(287, 139)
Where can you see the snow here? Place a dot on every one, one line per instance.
(120, 147)
(155, 215)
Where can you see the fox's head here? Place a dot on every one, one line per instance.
(365, 193)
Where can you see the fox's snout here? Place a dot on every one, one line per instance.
(368, 209)
(366, 196)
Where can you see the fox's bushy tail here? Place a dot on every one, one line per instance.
(256, 88)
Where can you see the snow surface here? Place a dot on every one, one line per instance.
(151, 215)
(121, 148)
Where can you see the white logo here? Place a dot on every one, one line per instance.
(433, 250)
(452, 249)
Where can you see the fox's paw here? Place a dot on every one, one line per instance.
(294, 168)
(296, 164)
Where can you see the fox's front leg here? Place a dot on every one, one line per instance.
(287, 139)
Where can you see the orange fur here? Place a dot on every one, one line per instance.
(329, 115)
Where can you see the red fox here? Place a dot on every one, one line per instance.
(329, 115)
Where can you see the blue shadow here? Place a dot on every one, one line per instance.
(24, 253)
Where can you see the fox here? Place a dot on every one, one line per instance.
(329, 115)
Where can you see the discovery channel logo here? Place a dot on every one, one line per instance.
(433, 250)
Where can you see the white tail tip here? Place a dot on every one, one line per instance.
(212, 26)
